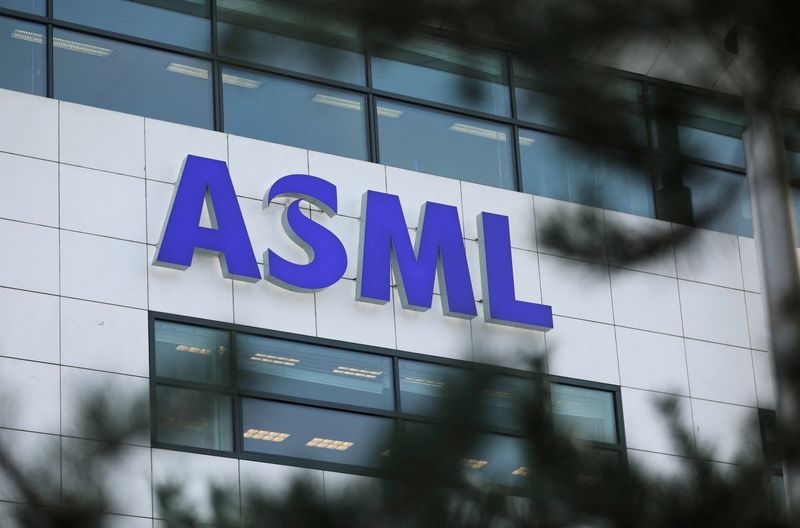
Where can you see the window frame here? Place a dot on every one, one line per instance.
(399, 417)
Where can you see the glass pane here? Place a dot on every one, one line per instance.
(562, 168)
(705, 129)
(688, 199)
(22, 56)
(192, 353)
(314, 434)
(194, 418)
(37, 7)
(314, 372)
(285, 36)
(443, 72)
(796, 203)
(132, 79)
(584, 413)
(427, 389)
(445, 144)
(294, 113)
(177, 22)
(542, 101)
(498, 458)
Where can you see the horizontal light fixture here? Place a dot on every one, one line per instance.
(521, 471)
(478, 131)
(267, 436)
(81, 47)
(278, 360)
(194, 350)
(339, 102)
(326, 443)
(192, 71)
(242, 82)
(389, 112)
(27, 36)
(360, 373)
(525, 141)
(474, 463)
(429, 383)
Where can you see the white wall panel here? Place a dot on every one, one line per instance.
(750, 271)
(352, 178)
(103, 269)
(552, 214)
(503, 345)
(266, 305)
(339, 316)
(259, 478)
(30, 396)
(518, 207)
(658, 465)
(196, 475)
(757, 321)
(256, 165)
(102, 204)
(416, 188)
(33, 455)
(30, 189)
(728, 431)
(82, 387)
(714, 314)
(198, 291)
(168, 144)
(646, 427)
(34, 249)
(719, 372)
(29, 325)
(583, 350)
(576, 289)
(432, 333)
(652, 361)
(639, 229)
(30, 125)
(101, 139)
(710, 257)
(104, 337)
(646, 301)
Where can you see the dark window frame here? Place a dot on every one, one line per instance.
(398, 416)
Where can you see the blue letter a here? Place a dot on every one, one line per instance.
(385, 244)
(207, 181)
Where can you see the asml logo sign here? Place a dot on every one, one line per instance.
(385, 246)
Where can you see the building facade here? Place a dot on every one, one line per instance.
(100, 116)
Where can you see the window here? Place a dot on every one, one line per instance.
(22, 56)
(446, 144)
(294, 113)
(440, 71)
(294, 402)
(562, 168)
(133, 79)
(37, 7)
(284, 36)
(177, 22)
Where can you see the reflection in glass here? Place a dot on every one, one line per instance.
(294, 113)
(285, 36)
(314, 434)
(498, 458)
(37, 7)
(543, 101)
(22, 56)
(314, 372)
(192, 353)
(705, 129)
(428, 389)
(194, 418)
(177, 22)
(587, 414)
(445, 144)
(689, 198)
(562, 168)
(132, 79)
(432, 69)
